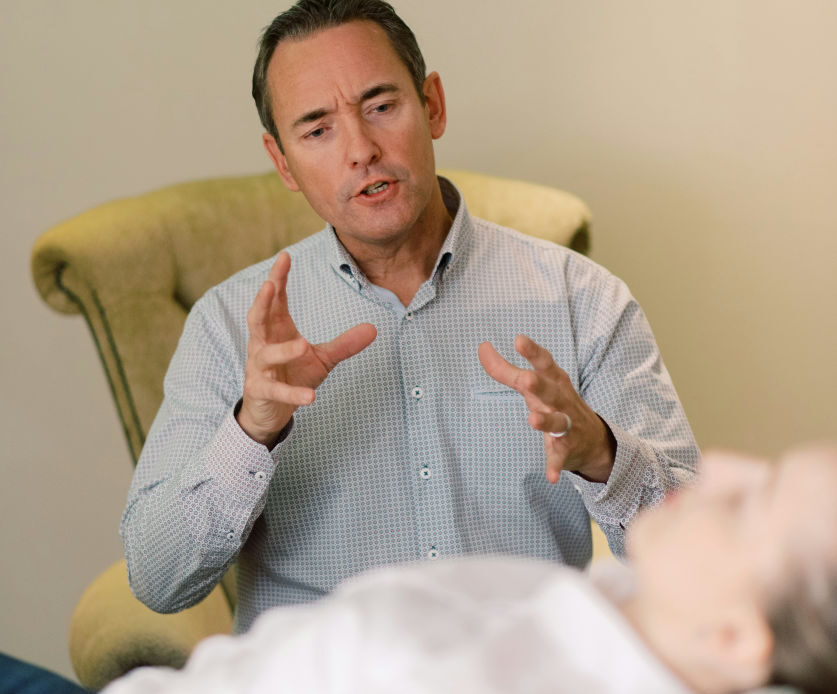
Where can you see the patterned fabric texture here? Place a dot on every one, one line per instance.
(411, 450)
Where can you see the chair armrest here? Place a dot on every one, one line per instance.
(111, 632)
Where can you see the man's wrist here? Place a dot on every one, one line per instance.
(269, 439)
(600, 466)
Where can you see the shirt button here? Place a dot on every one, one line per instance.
(417, 393)
(230, 535)
(433, 553)
(409, 315)
(260, 475)
(577, 488)
(425, 473)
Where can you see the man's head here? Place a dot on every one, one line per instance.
(737, 577)
(356, 121)
(310, 16)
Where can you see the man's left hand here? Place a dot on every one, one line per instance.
(589, 447)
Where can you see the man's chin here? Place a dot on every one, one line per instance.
(376, 228)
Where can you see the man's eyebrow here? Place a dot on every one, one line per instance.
(310, 117)
(377, 90)
(370, 93)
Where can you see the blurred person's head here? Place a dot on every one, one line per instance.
(737, 576)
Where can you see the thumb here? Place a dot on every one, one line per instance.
(346, 345)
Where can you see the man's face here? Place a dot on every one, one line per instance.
(733, 536)
(357, 140)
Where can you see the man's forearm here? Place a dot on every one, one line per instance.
(182, 532)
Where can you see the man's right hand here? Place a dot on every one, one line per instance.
(283, 368)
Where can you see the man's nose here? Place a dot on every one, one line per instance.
(361, 148)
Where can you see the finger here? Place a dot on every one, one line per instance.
(540, 393)
(258, 314)
(346, 345)
(265, 389)
(269, 319)
(548, 422)
(539, 357)
(280, 353)
(497, 367)
(555, 457)
(279, 270)
(280, 324)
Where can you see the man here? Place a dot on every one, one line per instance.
(306, 457)
(735, 587)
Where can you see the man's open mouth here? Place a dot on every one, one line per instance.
(378, 187)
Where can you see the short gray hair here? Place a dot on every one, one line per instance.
(803, 617)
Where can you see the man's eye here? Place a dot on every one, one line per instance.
(382, 108)
(316, 133)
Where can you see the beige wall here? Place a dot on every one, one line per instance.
(703, 135)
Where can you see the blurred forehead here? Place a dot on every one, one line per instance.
(723, 472)
(804, 500)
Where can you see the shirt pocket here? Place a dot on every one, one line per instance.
(493, 392)
(482, 390)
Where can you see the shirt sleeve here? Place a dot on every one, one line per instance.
(623, 379)
(201, 482)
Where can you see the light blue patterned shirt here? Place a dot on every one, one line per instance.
(410, 451)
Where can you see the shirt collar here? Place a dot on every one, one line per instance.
(453, 248)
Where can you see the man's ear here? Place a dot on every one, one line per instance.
(279, 161)
(738, 648)
(434, 103)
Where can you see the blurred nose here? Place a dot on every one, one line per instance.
(361, 149)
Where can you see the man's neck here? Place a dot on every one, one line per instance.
(404, 264)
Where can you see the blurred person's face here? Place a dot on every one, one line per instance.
(699, 547)
(801, 523)
(708, 558)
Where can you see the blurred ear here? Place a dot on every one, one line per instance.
(279, 161)
(737, 648)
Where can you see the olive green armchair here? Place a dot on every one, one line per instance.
(133, 268)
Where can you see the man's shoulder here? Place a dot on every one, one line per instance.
(244, 284)
(507, 245)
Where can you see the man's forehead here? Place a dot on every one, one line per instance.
(338, 62)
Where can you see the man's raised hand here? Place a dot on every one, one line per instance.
(283, 369)
(588, 447)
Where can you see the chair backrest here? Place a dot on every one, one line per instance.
(134, 267)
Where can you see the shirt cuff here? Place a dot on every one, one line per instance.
(237, 463)
(634, 482)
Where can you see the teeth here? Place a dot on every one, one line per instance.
(376, 188)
